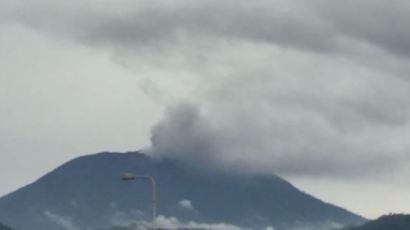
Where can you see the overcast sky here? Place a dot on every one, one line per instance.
(316, 91)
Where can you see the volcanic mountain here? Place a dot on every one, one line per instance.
(87, 193)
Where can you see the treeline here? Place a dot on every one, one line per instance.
(131, 228)
(388, 222)
(134, 227)
(4, 227)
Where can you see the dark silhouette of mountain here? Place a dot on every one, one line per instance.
(4, 227)
(87, 193)
(388, 222)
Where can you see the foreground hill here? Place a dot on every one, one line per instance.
(86, 193)
(4, 227)
(389, 222)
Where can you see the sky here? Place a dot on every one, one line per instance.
(315, 91)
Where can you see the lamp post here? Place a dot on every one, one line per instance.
(131, 176)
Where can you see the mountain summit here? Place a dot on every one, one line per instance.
(87, 193)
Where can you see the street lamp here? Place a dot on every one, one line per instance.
(131, 176)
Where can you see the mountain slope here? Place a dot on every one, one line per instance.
(389, 222)
(87, 193)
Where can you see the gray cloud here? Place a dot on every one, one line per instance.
(379, 22)
(300, 143)
(313, 25)
(154, 24)
(275, 81)
(292, 113)
(184, 135)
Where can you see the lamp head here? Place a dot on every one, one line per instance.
(128, 176)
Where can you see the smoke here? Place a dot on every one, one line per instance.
(185, 135)
(326, 225)
(174, 223)
(186, 204)
(123, 218)
(257, 108)
(62, 221)
(287, 142)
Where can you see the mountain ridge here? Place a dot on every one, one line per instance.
(87, 192)
(386, 222)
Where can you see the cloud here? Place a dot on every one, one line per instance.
(321, 26)
(295, 88)
(186, 204)
(316, 226)
(141, 22)
(174, 223)
(268, 109)
(183, 135)
(121, 218)
(250, 141)
(376, 22)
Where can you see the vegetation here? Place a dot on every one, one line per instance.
(388, 222)
(133, 227)
(4, 227)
